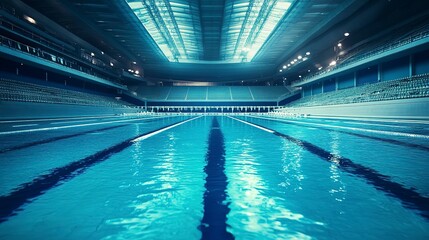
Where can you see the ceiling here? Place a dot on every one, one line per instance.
(220, 40)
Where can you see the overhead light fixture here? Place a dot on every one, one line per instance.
(280, 70)
(339, 44)
(307, 53)
(332, 63)
(299, 57)
(136, 72)
(346, 34)
(29, 19)
(92, 54)
(284, 66)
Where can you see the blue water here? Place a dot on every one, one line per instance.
(214, 178)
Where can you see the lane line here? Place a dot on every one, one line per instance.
(55, 119)
(24, 125)
(253, 125)
(390, 133)
(380, 119)
(409, 198)
(67, 122)
(392, 141)
(73, 126)
(162, 130)
(13, 202)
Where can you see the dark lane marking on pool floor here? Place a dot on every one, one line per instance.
(213, 225)
(392, 141)
(12, 203)
(409, 198)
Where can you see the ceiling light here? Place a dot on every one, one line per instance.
(288, 64)
(30, 19)
(92, 54)
(111, 64)
(346, 34)
(280, 70)
(284, 66)
(299, 57)
(134, 62)
(307, 53)
(320, 68)
(339, 44)
(305, 59)
(137, 72)
(332, 63)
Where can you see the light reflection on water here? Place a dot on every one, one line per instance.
(255, 211)
(339, 192)
(163, 197)
(291, 170)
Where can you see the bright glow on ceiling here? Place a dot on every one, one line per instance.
(248, 26)
(175, 27)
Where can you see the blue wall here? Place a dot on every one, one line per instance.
(421, 63)
(398, 68)
(307, 91)
(317, 88)
(329, 85)
(367, 76)
(346, 81)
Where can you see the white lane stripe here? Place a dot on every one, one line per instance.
(253, 125)
(162, 130)
(373, 120)
(55, 119)
(24, 125)
(65, 122)
(73, 126)
(371, 124)
(391, 133)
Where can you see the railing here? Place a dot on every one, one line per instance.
(424, 33)
(61, 60)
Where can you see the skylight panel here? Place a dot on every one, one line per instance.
(256, 21)
(174, 26)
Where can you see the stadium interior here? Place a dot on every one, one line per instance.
(338, 58)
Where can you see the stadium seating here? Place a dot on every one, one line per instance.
(214, 93)
(13, 90)
(413, 87)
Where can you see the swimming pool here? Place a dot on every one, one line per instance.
(213, 177)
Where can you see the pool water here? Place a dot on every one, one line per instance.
(214, 177)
